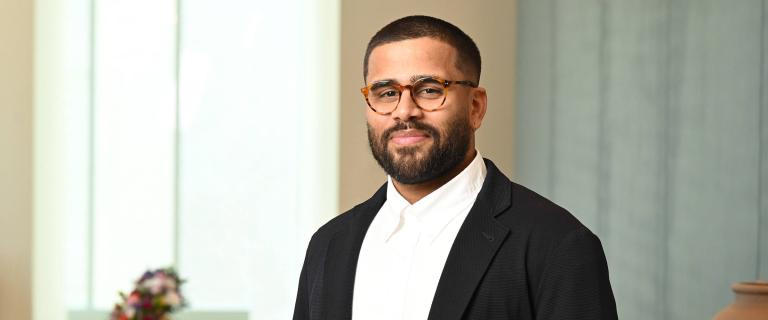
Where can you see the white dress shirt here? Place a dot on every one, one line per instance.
(405, 248)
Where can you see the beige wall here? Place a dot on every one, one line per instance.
(16, 109)
(490, 23)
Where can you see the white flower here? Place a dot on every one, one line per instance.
(169, 283)
(129, 312)
(172, 299)
(154, 285)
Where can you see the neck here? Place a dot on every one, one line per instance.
(415, 192)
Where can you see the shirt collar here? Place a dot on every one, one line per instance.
(433, 212)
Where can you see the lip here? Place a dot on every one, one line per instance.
(408, 137)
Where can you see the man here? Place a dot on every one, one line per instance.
(448, 236)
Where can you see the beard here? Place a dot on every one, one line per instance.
(408, 165)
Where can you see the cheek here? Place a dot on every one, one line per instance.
(457, 122)
(459, 114)
(469, 117)
(372, 118)
(376, 121)
(374, 129)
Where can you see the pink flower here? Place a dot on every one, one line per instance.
(133, 299)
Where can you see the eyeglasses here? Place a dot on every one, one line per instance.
(427, 93)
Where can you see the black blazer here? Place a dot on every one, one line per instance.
(517, 256)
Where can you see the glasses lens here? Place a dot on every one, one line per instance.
(384, 97)
(429, 93)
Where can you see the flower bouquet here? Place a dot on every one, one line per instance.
(155, 296)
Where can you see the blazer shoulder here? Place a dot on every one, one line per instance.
(359, 216)
(334, 225)
(537, 213)
(318, 244)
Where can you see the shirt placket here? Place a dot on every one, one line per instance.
(416, 308)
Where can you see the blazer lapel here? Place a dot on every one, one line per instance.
(475, 246)
(341, 260)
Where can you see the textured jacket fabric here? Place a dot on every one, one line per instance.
(517, 256)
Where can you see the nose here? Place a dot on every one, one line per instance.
(407, 108)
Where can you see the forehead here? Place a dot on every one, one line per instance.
(401, 60)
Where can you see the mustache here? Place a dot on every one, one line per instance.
(405, 125)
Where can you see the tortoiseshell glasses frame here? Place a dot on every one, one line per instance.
(428, 93)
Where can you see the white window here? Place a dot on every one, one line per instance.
(210, 145)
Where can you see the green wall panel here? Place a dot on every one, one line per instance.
(762, 249)
(576, 108)
(647, 120)
(635, 132)
(713, 159)
(534, 85)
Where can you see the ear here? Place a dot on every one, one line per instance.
(478, 106)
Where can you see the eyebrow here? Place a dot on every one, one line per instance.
(413, 79)
(382, 83)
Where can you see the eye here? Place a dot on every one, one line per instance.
(429, 92)
(388, 94)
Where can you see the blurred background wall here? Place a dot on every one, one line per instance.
(647, 119)
(490, 23)
(16, 143)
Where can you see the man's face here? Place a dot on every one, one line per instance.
(413, 145)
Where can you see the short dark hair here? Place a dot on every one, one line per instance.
(413, 27)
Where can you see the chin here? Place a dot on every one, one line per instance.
(408, 153)
(418, 148)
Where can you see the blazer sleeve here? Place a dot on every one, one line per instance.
(575, 283)
(301, 309)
